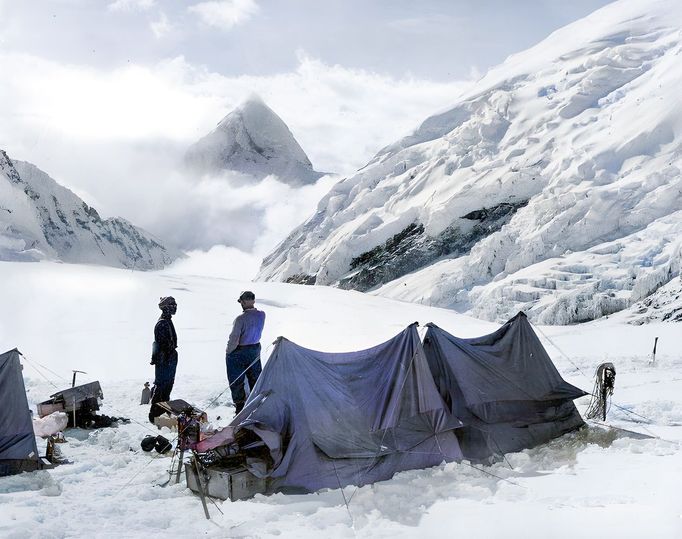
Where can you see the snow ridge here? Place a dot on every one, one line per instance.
(580, 135)
(252, 140)
(40, 219)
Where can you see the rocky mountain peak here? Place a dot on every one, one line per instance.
(252, 140)
(41, 219)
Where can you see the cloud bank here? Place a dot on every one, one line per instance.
(117, 138)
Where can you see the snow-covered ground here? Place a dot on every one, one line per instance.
(100, 320)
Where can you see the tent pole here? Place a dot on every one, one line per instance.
(200, 484)
(177, 475)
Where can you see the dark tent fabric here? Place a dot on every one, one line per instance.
(336, 419)
(18, 451)
(503, 386)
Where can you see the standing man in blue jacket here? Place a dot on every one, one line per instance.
(243, 349)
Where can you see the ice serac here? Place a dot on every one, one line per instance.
(252, 140)
(40, 219)
(553, 186)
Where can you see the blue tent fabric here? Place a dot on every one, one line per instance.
(503, 386)
(329, 420)
(18, 450)
(336, 419)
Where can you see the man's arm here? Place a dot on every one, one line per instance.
(233, 340)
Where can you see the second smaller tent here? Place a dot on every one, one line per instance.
(503, 386)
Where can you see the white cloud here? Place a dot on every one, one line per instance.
(219, 261)
(225, 14)
(119, 136)
(340, 116)
(161, 27)
(252, 217)
(131, 5)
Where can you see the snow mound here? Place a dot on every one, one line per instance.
(552, 186)
(50, 425)
(40, 219)
(252, 140)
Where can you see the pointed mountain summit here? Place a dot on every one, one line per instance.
(252, 140)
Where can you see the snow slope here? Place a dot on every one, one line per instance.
(252, 140)
(663, 305)
(593, 483)
(552, 186)
(41, 219)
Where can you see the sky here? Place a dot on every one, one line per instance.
(105, 96)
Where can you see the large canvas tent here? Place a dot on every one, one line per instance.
(503, 386)
(18, 451)
(334, 419)
(317, 419)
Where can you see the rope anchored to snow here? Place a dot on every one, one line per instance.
(604, 385)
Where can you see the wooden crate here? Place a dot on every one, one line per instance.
(47, 408)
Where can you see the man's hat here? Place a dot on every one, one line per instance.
(166, 302)
(247, 295)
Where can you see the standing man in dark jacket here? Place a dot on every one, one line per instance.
(243, 349)
(164, 356)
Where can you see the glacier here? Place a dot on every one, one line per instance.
(578, 139)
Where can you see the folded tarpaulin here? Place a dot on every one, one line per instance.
(503, 386)
(335, 419)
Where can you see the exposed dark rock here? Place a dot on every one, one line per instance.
(301, 278)
(412, 249)
(495, 212)
(92, 212)
(673, 316)
(398, 244)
